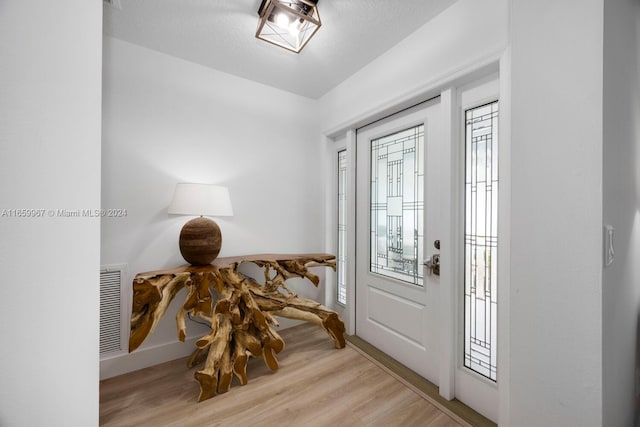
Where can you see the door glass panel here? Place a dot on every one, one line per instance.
(481, 239)
(342, 227)
(397, 205)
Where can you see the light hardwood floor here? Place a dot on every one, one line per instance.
(316, 385)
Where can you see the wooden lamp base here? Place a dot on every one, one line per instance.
(200, 241)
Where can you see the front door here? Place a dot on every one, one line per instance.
(427, 184)
(396, 205)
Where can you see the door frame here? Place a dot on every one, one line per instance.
(343, 136)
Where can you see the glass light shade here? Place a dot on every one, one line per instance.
(288, 24)
(201, 200)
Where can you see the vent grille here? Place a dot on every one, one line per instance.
(111, 309)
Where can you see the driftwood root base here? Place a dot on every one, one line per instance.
(243, 318)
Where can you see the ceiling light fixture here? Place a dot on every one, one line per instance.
(289, 24)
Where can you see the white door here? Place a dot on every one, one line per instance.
(426, 179)
(395, 231)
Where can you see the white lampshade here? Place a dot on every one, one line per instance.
(201, 200)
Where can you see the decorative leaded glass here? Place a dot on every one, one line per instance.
(342, 227)
(481, 240)
(397, 205)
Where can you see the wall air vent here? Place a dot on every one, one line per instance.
(112, 310)
(116, 4)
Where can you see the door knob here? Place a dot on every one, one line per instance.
(433, 264)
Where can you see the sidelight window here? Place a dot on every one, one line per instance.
(481, 239)
(342, 228)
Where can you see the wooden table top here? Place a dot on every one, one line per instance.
(226, 262)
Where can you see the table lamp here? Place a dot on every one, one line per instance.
(200, 238)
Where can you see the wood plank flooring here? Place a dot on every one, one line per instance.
(316, 385)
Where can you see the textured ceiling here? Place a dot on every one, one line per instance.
(220, 34)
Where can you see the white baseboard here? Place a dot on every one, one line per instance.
(119, 364)
(122, 363)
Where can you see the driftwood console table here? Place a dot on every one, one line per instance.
(239, 309)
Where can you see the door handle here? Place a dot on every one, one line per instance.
(433, 264)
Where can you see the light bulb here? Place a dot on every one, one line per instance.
(282, 21)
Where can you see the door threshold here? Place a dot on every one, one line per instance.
(429, 391)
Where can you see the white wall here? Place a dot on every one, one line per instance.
(556, 213)
(166, 121)
(621, 284)
(49, 159)
(465, 34)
